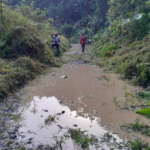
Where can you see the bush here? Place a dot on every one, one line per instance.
(108, 49)
(31, 65)
(138, 29)
(128, 69)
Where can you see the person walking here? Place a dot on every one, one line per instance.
(57, 41)
(82, 42)
(89, 41)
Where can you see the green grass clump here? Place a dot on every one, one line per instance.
(144, 94)
(84, 140)
(26, 69)
(108, 49)
(144, 111)
(138, 127)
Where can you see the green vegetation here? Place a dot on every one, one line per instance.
(25, 49)
(139, 127)
(108, 49)
(145, 95)
(120, 30)
(73, 18)
(144, 111)
(129, 31)
(50, 119)
(24, 37)
(83, 140)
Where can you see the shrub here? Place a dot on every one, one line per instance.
(108, 49)
(128, 69)
(138, 29)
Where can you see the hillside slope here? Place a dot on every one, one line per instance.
(25, 50)
(124, 46)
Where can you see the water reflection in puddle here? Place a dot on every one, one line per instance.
(40, 108)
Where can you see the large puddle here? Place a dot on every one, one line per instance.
(34, 125)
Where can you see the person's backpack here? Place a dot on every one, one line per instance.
(59, 40)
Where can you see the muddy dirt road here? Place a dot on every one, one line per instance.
(90, 98)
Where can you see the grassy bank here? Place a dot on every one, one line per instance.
(25, 50)
(125, 50)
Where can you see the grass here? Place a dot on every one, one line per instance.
(51, 119)
(144, 111)
(107, 50)
(116, 102)
(24, 69)
(16, 117)
(25, 50)
(85, 140)
(145, 95)
(131, 58)
(138, 127)
(82, 139)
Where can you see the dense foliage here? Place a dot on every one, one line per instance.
(76, 17)
(72, 17)
(124, 9)
(69, 11)
(129, 24)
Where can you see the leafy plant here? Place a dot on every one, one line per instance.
(144, 111)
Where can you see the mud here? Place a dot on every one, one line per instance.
(82, 89)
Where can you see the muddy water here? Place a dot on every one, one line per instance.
(34, 125)
(87, 96)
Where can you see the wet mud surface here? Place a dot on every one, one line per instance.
(9, 110)
(78, 95)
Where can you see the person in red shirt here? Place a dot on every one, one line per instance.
(83, 42)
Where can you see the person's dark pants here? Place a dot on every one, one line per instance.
(83, 47)
(89, 42)
(57, 46)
